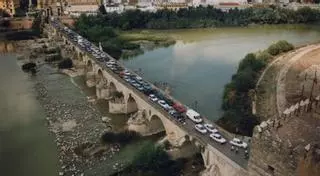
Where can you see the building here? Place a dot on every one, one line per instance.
(82, 2)
(172, 6)
(77, 10)
(9, 6)
(112, 7)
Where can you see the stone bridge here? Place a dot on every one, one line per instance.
(147, 118)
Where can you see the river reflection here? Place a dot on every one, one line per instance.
(202, 61)
(26, 148)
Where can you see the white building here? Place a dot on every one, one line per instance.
(110, 8)
(77, 10)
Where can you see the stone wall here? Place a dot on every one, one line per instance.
(270, 155)
(217, 164)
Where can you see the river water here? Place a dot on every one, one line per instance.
(203, 60)
(26, 147)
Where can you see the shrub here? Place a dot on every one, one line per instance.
(121, 137)
(251, 61)
(279, 47)
(64, 64)
(236, 96)
(245, 80)
(264, 56)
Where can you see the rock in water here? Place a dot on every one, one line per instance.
(28, 66)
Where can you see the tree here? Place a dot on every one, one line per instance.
(102, 10)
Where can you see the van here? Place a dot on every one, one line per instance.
(194, 116)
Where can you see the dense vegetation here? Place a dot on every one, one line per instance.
(153, 161)
(238, 94)
(201, 17)
(98, 32)
(105, 27)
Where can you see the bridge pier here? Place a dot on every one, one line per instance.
(139, 123)
(187, 149)
(90, 79)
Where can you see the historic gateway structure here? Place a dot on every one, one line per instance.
(276, 150)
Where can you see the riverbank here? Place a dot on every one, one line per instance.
(147, 40)
(73, 119)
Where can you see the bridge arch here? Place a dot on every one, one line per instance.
(89, 66)
(156, 124)
(112, 88)
(132, 105)
(81, 56)
(100, 77)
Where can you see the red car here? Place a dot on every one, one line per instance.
(179, 108)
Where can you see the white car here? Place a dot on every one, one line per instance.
(163, 104)
(200, 128)
(210, 128)
(194, 116)
(153, 97)
(127, 73)
(237, 142)
(218, 138)
(138, 78)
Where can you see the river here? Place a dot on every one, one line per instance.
(203, 60)
(26, 147)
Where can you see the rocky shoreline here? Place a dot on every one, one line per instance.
(71, 117)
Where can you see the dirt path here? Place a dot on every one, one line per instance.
(271, 97)
(281, 82)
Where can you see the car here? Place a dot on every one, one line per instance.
(140, 88)
(218, 138)
(153, 97)
(180, 108)
(138, 78)
(200, 128)
(132, 81)
(171, 112)
(127, 79)
(210, 128)
(180, 118)
(194, 116)
(136, 84)
(163, 104)
(169, 101)
(237, 142)
(126, 72)
(109, 65)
